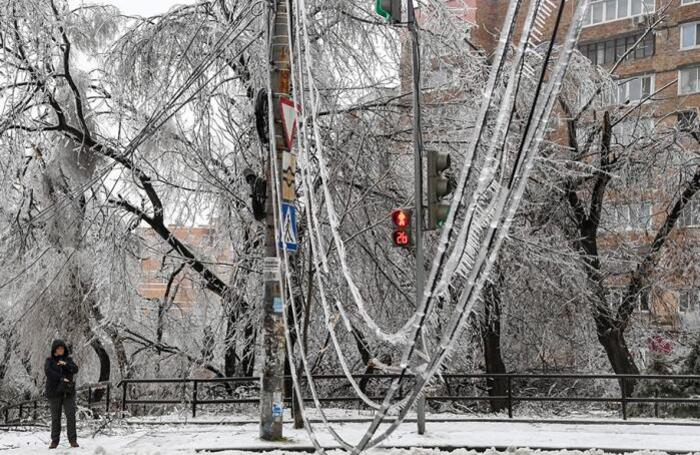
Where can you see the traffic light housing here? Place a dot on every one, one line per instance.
(439, 188)
(389, 10)
(401, 220)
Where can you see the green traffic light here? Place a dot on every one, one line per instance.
(442, 212)
(381, 11)
(439, 188)
(389, 10)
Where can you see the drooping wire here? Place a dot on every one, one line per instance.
(485, 256)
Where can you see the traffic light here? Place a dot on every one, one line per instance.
(389, 9)
(438, 188)
(401, 218)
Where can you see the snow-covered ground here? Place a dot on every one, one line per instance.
(141, 437)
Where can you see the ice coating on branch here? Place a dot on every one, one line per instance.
(510, 198)
(488, 213)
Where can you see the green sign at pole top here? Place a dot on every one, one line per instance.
(381, 11)
(389, 9)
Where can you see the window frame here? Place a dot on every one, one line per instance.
(630, 224)
(619, 45)
(618, 292)
(626, 83)
(693, 204)
(690, 307)
(689, 2)
(696, 26)
(697, 80)
(636, 127)
(588, 20)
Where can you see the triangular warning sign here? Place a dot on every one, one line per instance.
(289, 110)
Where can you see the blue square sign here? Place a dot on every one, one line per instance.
(289, 235)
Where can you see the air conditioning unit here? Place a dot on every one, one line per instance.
(640, 20)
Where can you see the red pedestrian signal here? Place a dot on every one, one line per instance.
(402, 238)
(401, 218)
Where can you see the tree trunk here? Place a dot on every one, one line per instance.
(491, 337)
(120, 351)
(105, 365)
(230, 356)
(7, 353)
(620, 357)
(239, 363)
(116, 339)
(248, 354)
(366, 357)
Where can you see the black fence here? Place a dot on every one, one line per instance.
(465, 389)
(97, 397)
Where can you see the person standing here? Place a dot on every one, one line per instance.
(60, 370)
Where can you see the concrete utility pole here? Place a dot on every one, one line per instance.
(418, 177)
(272, 387)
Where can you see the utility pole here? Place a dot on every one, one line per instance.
(418, 177)
(391, 11)
(272, 381)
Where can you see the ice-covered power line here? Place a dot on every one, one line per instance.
(489, 209)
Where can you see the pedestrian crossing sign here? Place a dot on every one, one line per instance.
(289, 240)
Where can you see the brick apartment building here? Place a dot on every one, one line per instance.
(669, 57)
(666, 65)
(157, 266)
(611, 28)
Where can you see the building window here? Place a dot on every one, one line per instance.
(690, 35)
(600, 11)
(610, 51)
(617, 293)
(628, 217)
(689, 80)
(631, 131)
(689, 2)
(690, 216)
(688, 301)
(634, 89)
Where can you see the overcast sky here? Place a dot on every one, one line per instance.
(138, 7)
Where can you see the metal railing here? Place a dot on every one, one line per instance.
(519, 388)
(510, 398)
(92, 396)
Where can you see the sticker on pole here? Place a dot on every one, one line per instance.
(271, 269)
(277, 305)
(289, 110)
(277, 410)
(289, 169)
(289, 235)
(277, 405)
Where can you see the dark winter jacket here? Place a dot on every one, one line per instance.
(55, 373)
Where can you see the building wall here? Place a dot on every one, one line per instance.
(155, 274)
(665, 63)
(489, 16)
(668, 58)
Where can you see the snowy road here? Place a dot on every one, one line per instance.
(187, 439)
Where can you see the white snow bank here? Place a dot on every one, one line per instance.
(186, 439)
